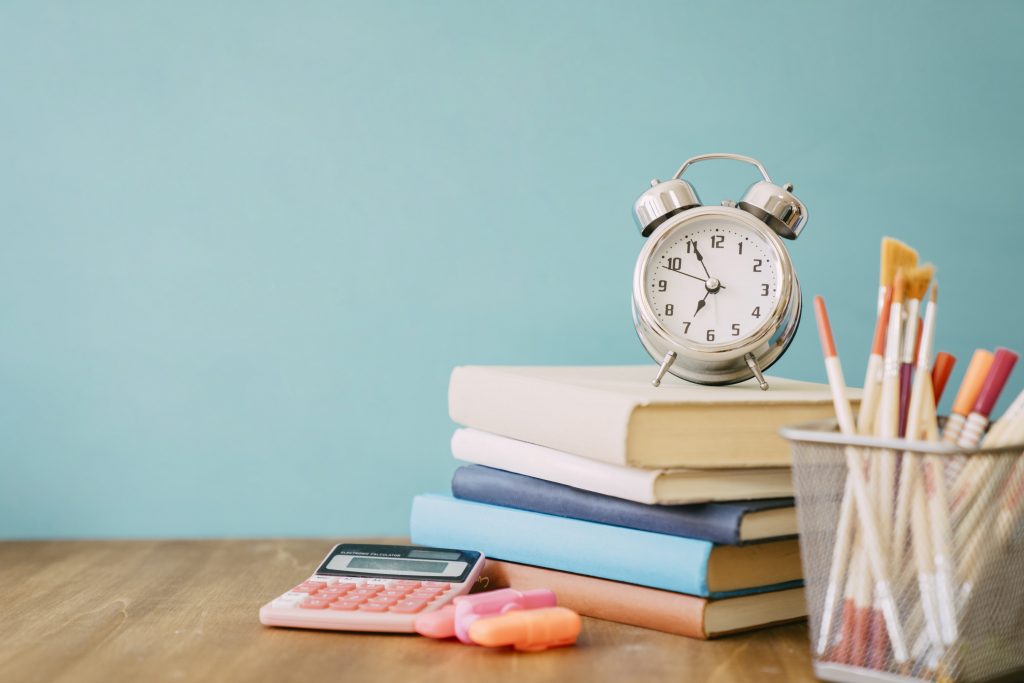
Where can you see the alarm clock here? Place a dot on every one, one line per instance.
(715, 297)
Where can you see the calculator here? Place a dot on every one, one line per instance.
(367, 587)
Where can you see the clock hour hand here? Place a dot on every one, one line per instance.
(701, 259)
(702, 303)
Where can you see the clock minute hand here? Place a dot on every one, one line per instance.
(687, 274)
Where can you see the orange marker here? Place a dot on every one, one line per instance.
(528, 630)
(977, 371)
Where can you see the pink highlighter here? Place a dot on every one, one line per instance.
(456, 618)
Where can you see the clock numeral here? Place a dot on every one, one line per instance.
(686, 328)
(710, 336)
(662, 285)
(757, 265)
(675, 263)
(757, 312)
(764, 290)
(669, 309)
(717, 241)
(741, 248)
(691, 246)
(735, 329)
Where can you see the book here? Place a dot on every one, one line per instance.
(675, 486)
(682, 565)
(613, 414)
(678, 613)
(731, 523)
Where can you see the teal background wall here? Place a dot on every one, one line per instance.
(242, 245)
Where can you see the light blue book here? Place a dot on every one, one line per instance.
(673, 563)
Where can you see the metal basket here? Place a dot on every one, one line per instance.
(950, 606)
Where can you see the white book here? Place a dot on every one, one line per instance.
(667, 487)
(613, 414)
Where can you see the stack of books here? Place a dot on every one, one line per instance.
(668, 508)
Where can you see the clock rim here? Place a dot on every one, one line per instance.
(697, 350)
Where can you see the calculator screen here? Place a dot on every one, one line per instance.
(396, 561)
(405, 565)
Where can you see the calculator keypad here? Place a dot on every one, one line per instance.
(348, 595)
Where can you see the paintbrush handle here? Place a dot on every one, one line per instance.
(906, 376)
(840, 556)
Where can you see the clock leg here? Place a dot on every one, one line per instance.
(756, 369)
(669, 359)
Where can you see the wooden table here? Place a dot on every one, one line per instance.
(187, 611)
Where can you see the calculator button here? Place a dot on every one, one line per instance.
(387, 602)
(436, 584)
(345, 605)
(346, 586)
(423, 595)
(409, 606)
(285, 602)
(369, 607)
(313, 603)
(397, 594)
(406, 584)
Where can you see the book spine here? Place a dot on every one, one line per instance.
(715, 523)
(574, 419)
(668, 562)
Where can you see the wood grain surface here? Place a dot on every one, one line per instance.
(187, 611)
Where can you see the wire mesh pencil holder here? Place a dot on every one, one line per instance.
(914, 568)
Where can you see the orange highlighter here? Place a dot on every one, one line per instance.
(528, 630)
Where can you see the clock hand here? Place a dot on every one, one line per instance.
(687, 275)
(702, 302)
(720, 286)
(701, 259)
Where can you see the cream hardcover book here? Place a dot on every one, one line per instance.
(613, 414)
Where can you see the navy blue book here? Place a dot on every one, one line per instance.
(733, 523)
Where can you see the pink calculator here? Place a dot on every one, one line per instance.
(364, 587)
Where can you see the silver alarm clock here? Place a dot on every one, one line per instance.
(715, 296)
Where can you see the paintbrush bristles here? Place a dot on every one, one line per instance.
(895, 256)
(899, 286)
(917, 281)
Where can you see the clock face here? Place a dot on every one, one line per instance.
(713, 281)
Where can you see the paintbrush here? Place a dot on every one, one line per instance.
(915, 427)
(886, 424)
(896, 256)
(970, 387)
(873, 375)
(874, 549)
(916, 287)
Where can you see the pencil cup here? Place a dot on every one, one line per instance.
(923, 586)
